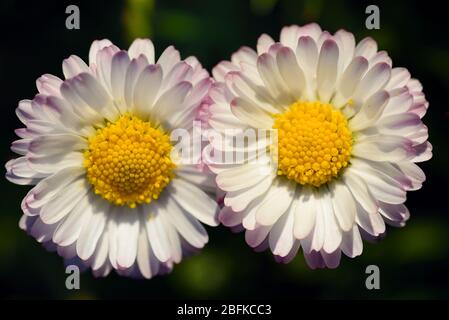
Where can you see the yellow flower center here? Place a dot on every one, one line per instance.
(314, 142)
(128, 161)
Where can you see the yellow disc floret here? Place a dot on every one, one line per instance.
(128, 161)
(314, 142)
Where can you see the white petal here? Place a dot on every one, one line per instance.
(230, 218)
(314, 260)
(48, 187)
(248, 113)
(346, 44)
(249, 215)
(49, 85)
(315, 239)
(73, 66)
(391, 171)
(200, 177)
(245, 87)
(239, 200)
(189, 228)
(360, 191)
(263, 43)
(332, 259)
(63, 202)
(57, 143)
(66, 119)
(103, 271)
(305, 213)
(119, 66)
(146, 89)
(42, 231)
(20, 167)
(195, 201)
(344, 205)
(244, 54)
(327, 69)
(307, 55)
(92, 230)
(312, 30)
(170, 101)
(94, 95)
(289, 36)
(142, 46)
(266, 65)
(78, 105)
(255, 237)
(24, 111)
(423, 152)
(68, 252)
(10, 176)
(221, 69)
(113, 217)
(352, 75)
(157, 235)
(241, 177)
(96, 46)
(276, 203)
(399, 124)
(26, 222)
(370, 222)
(351, 243)
(174, 241)
(332, 231)
(381, 56)
(374, 80)
(290, 71)
(69, 230)
(50, 164)
(281, 237)
(383, 148)
(383, 188)
(399, 78)
(396, 214)
(181, 71)
(100, 255)
(291, 255)
(132, 74)
(127, 237)
(103, 65)
(366, 48)
(413, 173)
(168, 59)
(370, 111)
(145, 256)
(20, 146)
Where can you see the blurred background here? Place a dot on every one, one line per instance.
(413, 261)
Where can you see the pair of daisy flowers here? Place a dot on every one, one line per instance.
(108, 194)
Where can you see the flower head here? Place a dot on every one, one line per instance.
(108, 193)
(349, 133)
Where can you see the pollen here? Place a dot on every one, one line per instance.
(314, 143)
(128, 161)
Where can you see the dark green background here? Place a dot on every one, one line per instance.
(414, 261)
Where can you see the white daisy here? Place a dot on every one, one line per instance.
(349, 134)
(96, 146)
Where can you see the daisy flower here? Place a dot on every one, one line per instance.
(349, 133)
(96, 146)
